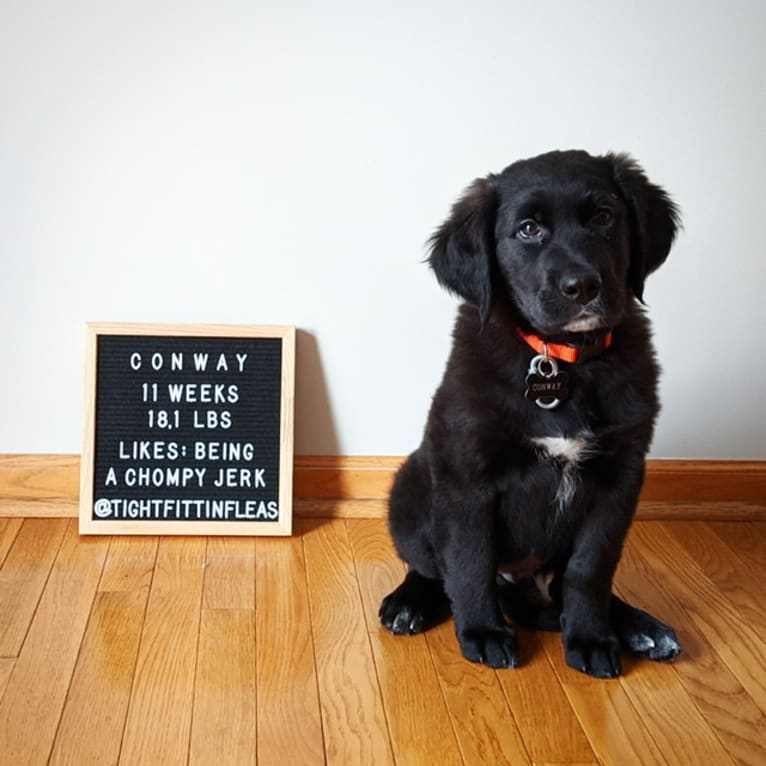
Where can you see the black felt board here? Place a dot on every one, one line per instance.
(188, 430)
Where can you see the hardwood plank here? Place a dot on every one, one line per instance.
(37, 688)
(107, 658)
(354, 722)
(23, 577)
(565, 763)
(129, 565)
(6, 668)
(747, 539)
(616, 733)
(725, 569)
(740, 647)
(545, 718)
(160, 710)
(486, 729)
(224, 721)
(230, 573)
(378, 567)
(410, 687)
(676, 724)
(726, 706)
(9, 528)
(223, 727)
(289, 728)
(91, 733)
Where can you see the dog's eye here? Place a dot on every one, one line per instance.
(529, 229)
(602, 217)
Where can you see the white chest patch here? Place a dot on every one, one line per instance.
(567, 450)
(569, 453)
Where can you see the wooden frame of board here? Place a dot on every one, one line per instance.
(201, 516)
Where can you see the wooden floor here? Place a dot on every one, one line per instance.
(227, 651)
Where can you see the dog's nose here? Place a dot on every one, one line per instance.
(580, 288)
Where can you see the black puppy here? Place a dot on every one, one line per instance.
(518, 500)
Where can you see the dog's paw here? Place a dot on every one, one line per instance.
(417, 604)
(401, 619)
(642, 634)
(658, 643)
(598, 656)
(496, 648)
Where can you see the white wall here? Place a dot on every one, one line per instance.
(284, 161)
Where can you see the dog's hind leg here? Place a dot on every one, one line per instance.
(417, 604)
(642, 634)
(420, 601)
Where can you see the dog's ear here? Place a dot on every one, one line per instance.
(462, 248)
(654, 220)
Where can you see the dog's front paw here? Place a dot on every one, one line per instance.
(598, 656)
(644, 635)
(496, 648)
(657, 643)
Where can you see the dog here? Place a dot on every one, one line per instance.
(516, 504)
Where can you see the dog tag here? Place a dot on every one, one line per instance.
(546, 386)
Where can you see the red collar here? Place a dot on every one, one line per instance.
(564, 352)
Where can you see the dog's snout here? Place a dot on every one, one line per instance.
(581, 287)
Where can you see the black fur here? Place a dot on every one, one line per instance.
(559, 245)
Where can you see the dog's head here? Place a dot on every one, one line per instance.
(564, 238)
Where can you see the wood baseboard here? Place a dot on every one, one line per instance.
(343, 486)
